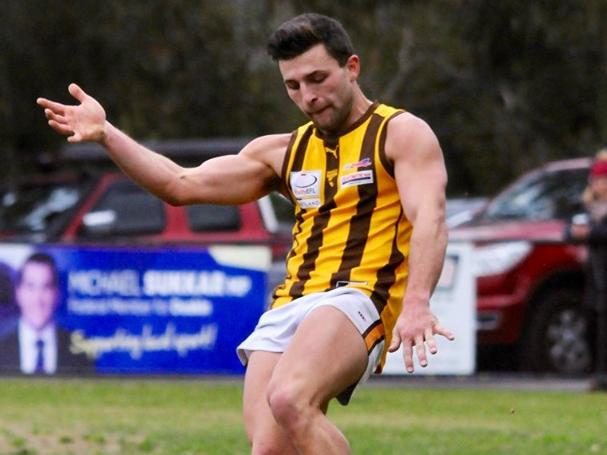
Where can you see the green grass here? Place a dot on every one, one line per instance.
(113, 416)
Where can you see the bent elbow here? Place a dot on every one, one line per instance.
(170, 199)
(174, 202)
(172, 195)
(177, 197)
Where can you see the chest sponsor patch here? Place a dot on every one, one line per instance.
(305, 186)
(365, 162)
(356, 178)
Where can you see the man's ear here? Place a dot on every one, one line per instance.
(353, 67)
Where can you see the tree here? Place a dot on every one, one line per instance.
(505, 84)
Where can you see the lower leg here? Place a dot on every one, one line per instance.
(307, 427)
(265, 435)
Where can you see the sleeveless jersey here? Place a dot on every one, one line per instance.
(350, 229)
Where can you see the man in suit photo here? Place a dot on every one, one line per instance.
(37, 345)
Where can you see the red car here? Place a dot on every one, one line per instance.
(530, 281)
(103, 206)
(107, 207)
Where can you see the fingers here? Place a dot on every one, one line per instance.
(60, 128)
(51, 115)
(58, 122)
(395, 342)
(407, 350)
(60, 116)
(420, 349)
(57, 108)
(419, 346)
(444, 332)
(408, 355)
(430, 341)
(77, 92)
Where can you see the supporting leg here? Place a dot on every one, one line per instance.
(264, 433)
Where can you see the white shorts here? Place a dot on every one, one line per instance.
(276, 327)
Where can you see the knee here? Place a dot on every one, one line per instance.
(288, 405)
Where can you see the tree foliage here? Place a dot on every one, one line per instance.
(506, 84)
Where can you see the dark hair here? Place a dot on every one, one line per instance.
(299, 34)
(39, 258)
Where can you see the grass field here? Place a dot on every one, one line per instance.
(110, 416)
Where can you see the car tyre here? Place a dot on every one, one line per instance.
(558, 335)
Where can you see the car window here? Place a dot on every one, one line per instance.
(541, 196)
(37, 209)
(210, 217)
(124, 210)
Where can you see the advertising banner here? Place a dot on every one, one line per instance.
(454, 304)
(121, 311)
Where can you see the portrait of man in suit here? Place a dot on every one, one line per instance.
(37, 345)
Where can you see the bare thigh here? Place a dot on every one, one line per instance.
(327, 355)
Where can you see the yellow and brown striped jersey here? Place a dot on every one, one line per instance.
(350, 229)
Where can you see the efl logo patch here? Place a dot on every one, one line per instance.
(357, 178)
(305, 186)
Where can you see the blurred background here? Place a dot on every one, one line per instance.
(506, 85)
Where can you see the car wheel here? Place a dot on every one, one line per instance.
(558, 336)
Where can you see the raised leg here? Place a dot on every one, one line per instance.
(327, 354)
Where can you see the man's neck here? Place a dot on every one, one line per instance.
(360, 107)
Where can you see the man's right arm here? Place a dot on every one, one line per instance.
(231, 179)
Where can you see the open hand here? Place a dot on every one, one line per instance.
(82, 122)
(415, 328)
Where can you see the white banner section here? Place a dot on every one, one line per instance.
(454, 303)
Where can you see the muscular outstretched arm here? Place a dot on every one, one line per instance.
(421, 178)
(229, 179)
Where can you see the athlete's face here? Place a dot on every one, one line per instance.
(322, 89)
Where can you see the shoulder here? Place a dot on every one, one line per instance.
(266, 146)
(414, 150)
(269, 149)
(279, 141)
(410, 137)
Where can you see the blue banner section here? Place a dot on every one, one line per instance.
(141, 311)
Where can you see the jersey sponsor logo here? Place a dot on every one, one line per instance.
(305, 186)
(365, 162)
(357, 178)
